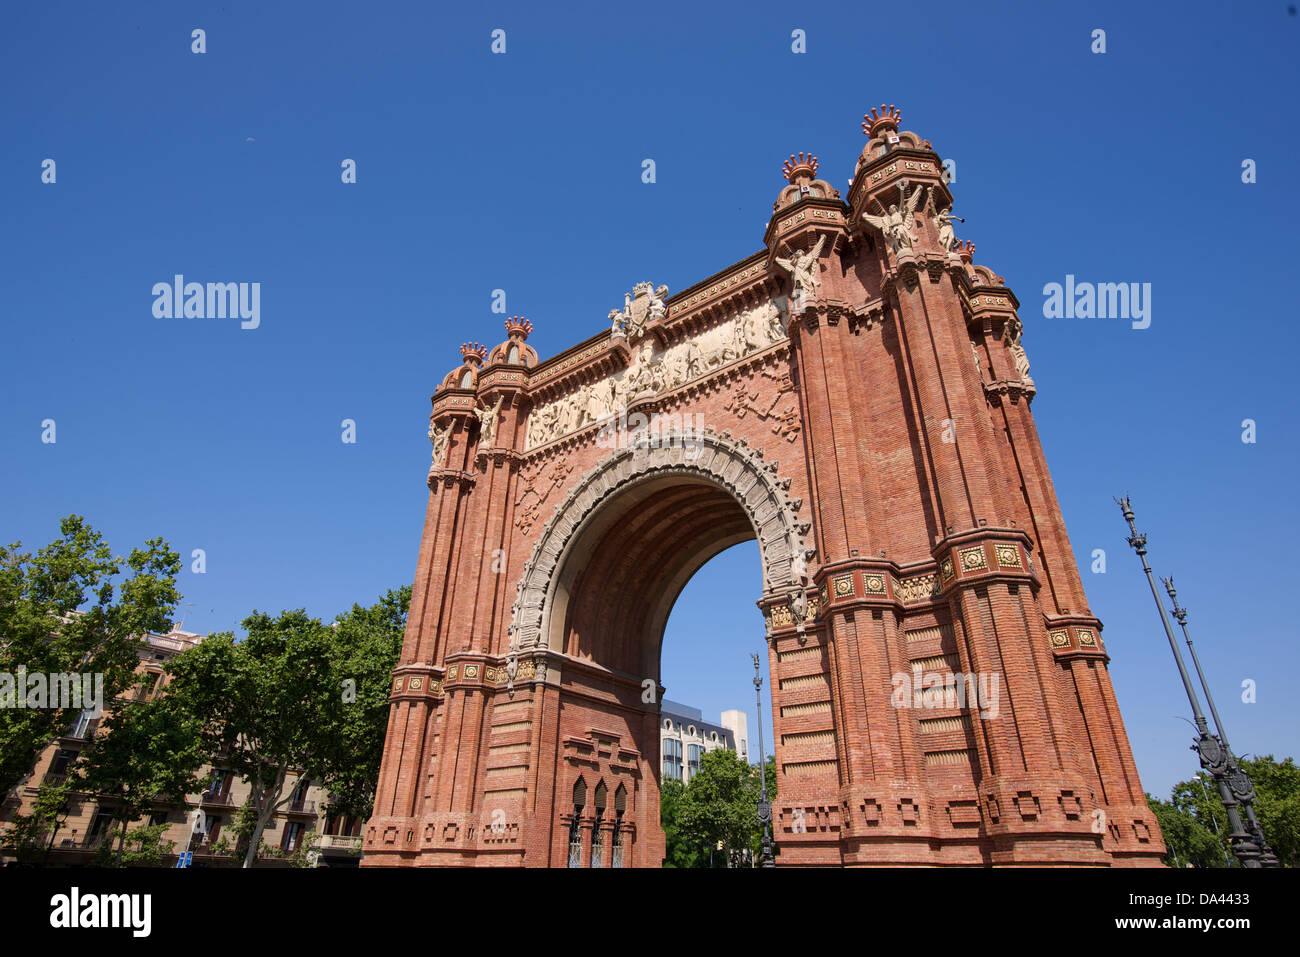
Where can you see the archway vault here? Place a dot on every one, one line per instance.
(656, 477)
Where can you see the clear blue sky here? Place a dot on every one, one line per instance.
(523, 172)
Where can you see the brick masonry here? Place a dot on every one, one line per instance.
(885, 456)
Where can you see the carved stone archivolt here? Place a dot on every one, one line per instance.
(726, 462)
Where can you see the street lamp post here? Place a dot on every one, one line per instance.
(764, 805)
(1238, 780)
(1207, 746)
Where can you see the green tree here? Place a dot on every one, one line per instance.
(368, 644)
(28, 836)
(269, 706)
(678, 851)
(63, 611)
(1188, 841)
(1277, 804)
(144, 847)
(1194, 815)
(720, 804)
(146, 753)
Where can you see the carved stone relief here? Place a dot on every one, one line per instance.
(745, 399)
(653, 371)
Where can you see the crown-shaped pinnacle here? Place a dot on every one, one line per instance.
(472, 350)
(518, 326)
(885, 117)
(803, 165)
(966, 249)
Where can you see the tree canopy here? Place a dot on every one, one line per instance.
(71, 609)
(1195, 826)
(718, 806)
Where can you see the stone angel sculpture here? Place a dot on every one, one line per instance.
(942, 220)
(802, 267)
(439, 436)
(487, 424)
(896, 222)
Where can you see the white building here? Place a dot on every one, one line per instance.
(685, 737)
(737, 722)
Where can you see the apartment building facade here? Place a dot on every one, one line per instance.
(685, 737)
(301, 832)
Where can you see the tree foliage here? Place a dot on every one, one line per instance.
(142, 846)
(1195, 826)
(296, 697)
(28, 836)
(718, 805)
(369, 642)
(265, 706)
(65, 611)
(146, 753)
(678, 851)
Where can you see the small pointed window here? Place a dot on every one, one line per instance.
(597, 834)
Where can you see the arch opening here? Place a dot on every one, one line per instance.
(624, 572)
(594, 601)
(641, 498)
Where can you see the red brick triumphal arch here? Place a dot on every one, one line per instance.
(854, 396)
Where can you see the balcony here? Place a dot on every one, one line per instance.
(301, 807)
(220, 799)
(337, 842)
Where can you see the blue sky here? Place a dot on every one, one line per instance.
(522, 172)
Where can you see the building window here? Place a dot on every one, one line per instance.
(597, 837)
(292, 832)
(81, 727)
(575, 826)
(62, 761)
(693, 754)
(672, 759)
(219, 788)
(620, 806)
(101, 826)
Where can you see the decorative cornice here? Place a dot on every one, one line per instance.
(1015, 389)
(449, 477)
